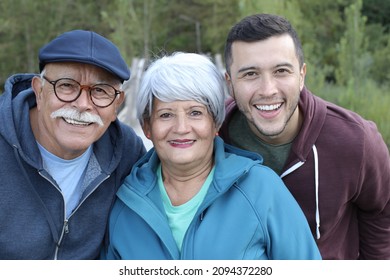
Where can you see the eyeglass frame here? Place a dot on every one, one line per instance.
(86, 87)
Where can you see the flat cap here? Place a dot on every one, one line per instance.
(85, 47)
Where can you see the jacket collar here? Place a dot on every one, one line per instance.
(229, 164)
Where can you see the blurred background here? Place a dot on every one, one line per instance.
(346, 42)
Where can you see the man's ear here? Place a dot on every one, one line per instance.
(229, 84)
(36, 84)
(120, 99)
(302, 75)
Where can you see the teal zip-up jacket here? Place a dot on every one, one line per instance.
(33, 224)
(248, 213)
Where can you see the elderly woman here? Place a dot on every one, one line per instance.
(192, 196)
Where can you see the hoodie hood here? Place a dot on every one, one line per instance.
(16, 101)
(314, 114)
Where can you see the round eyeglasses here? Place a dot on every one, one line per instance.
(68, 90)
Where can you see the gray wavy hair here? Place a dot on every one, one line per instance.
(182, 77)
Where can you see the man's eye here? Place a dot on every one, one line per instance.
(250, 75)
(67, 87)
(282, 71)
(99, 90)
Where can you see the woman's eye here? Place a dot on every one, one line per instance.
(165, 115)
(196, 113)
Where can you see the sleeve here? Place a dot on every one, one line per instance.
(373, 200)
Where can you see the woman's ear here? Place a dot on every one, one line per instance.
(146, 129)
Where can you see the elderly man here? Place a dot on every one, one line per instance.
(64, 152)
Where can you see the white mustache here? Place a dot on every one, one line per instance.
(77, 116)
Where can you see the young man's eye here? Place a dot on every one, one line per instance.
(250, 74)
(283, 71)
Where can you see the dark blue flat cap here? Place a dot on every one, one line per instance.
(85, 47)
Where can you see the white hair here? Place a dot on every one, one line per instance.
(182, 77)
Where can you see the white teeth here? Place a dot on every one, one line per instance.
(182, 143)
(269, 107)
(71, 121)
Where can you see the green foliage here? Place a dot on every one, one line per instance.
(372, 103)
(346, 42)
(125, 19)
(380, 50)
(377, 11)
(321, 28)
(286, 8)
(219, 17)
(352, 57)
(30, 24)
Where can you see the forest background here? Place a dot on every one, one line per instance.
(346, 42)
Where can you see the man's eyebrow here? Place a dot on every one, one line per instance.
(243, 69)
(285, 64)
(248, 68)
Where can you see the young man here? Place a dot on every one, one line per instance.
(64, 152)
(334, 162)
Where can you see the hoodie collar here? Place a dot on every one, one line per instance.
(314, 114)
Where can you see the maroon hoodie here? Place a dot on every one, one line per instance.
(339, 172)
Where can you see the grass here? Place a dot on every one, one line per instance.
(368, 100)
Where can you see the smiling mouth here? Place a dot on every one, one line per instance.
(74, 122)
(182, 142)
(268, 108)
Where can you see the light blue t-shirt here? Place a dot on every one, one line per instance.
(69, 175)
(180, 217)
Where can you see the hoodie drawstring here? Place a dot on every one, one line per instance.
(316, 176)
(292, 169)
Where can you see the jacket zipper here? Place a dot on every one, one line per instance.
(65, 227)
(202, 211)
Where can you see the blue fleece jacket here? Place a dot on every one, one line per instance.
(32, 212)
(248, 213)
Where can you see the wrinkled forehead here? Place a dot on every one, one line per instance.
(80, 72)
